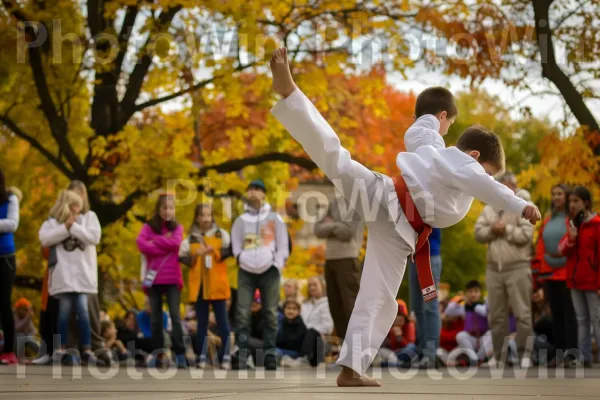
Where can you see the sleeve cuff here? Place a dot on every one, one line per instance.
(288, 103)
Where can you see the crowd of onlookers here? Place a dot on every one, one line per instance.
(542, 303)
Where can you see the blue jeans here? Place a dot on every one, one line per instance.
(587, 311)
(427, 314)
(66, 302)
(220, 309)
(268, 283)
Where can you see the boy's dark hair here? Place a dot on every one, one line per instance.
(474, 284)
(486, 143)
(291, 301)
(584, 194)
(434, 100)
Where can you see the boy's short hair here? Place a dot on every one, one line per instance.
(474, 284)
(293, 301)
(434, 100)
(486, 143)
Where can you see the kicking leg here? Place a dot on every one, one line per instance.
(361, 187)
(376, 306)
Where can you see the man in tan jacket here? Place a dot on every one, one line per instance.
(508, 277)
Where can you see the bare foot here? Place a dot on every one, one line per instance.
(282, 77)
(350, 378)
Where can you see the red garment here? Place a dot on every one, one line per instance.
(408, 336)
(541, 270)
(449, 332)
(421, 256)
(583, 256)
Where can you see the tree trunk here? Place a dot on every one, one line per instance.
(551, 70)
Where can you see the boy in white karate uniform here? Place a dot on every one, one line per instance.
(441, 181)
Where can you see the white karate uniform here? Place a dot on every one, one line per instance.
(430, 170)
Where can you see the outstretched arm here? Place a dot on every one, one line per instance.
(473, 180)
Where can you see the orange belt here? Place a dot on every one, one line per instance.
(421, 257)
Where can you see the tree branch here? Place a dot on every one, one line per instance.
(128, 22)
(551, 70)
(136, 79)
(195, 87)
(238, 164)
(13, 127)
(570, 14)
(95, 16)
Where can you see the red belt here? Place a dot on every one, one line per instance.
(421, 257)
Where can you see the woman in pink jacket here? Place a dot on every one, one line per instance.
(159, 243)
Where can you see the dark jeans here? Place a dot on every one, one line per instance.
(427, 314)
(68, 302)
(48, 326)
(8, 269)
(563, 315)
(313, 347)
(220, 309)
(155, 294)
(268, 283)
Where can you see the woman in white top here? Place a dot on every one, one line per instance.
(317, 318)
(72, 238)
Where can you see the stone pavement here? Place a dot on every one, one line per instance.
(33, 383)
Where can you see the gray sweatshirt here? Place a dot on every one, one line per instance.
(259, 240)
(344, 235)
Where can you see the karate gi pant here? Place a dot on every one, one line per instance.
(391, 239)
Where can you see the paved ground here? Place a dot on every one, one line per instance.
(48, 383)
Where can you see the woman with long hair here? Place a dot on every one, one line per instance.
(317, 318)
(205, 249)
(73, 238)
(93, 301)
(9, 222)
(550, 269)
(159, 243)
(580, 245)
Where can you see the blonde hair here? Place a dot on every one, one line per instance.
(62, 208)
(76, 186)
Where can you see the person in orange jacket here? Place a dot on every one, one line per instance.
(399, 346)
(549, 269)
(205, 250)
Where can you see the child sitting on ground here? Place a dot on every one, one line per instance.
(476, 339)
(399, 346)
(290, 336)
(109, 333)
(434, 187)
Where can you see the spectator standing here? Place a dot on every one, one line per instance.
(9, 222)
(580, 245)
(205, 249)
(93, 301)
(508, 276)
(343, 229)
(261, 246)
(550, 269)
(427, 314)
(73, 237)
(159, 242)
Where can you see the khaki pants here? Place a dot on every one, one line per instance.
(512, 289)
(343, 281)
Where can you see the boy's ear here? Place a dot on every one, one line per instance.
(442, 115)
(414, 117)
(474, 153)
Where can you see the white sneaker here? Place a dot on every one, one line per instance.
(286, 361)
(226, 364)
(43, 360)
(526, 363)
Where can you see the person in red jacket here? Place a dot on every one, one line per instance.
(399, 346)
(581, 245)
(550, 271)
